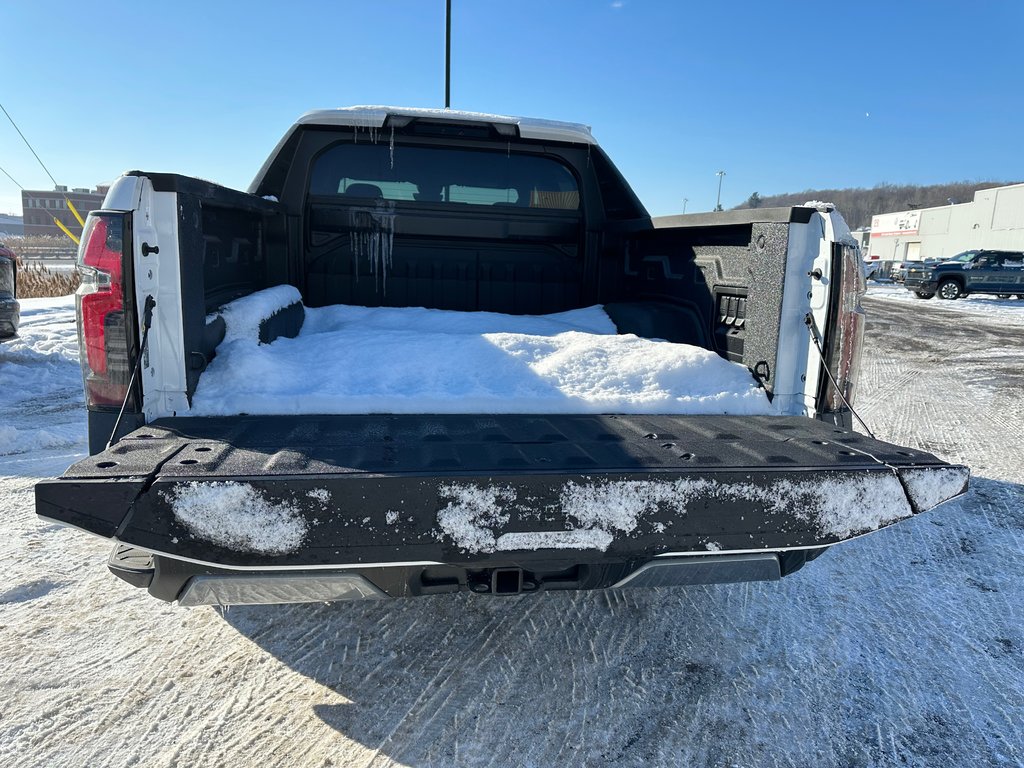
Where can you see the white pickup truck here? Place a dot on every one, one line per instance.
(217, 484)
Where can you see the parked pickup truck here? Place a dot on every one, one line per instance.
(998, 272)
(386, 207)
(10, 309)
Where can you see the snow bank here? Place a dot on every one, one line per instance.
(839, 506)
(237, 516)
(41, 380)
(414, 360)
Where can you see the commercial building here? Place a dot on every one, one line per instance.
(994, 219)
(11, 225)
(41, 207)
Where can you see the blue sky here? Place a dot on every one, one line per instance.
(782, 96)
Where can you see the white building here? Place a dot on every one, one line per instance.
(994, 219)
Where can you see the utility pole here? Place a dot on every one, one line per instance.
(448, 55)
(720, 174)
(685, 201)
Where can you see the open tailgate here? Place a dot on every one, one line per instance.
(301, 492)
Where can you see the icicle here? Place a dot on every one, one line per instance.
(372, 236)
(353, 242)
(392, 147)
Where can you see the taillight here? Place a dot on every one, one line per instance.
(845, 348)
(102, 322)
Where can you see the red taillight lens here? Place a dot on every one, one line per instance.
(102, 329)
(109, 295)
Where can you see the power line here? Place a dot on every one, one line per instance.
(5, 173)
(55, 184)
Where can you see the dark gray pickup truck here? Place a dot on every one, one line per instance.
(471, 213)
(994, 272)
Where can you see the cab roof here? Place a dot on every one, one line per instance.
(375, 117)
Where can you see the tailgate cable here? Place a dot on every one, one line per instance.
(147, 321)
(809, 322)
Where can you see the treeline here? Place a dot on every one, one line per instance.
(859, 204)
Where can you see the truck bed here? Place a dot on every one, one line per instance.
(490, 491)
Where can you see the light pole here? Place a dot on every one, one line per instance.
(448, 55)
(718, 203)
(685, 201)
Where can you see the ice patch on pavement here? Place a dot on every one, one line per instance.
(414, 360)
(929, 487)
(238, 517)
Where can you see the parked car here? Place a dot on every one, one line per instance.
(985, 271)
(898, 271)
(10, 309)
(381, 207)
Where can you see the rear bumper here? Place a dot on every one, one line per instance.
(923, 285)
(192, 584)
(417, 505)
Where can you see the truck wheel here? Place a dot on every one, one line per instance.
(950, 289)
(923, 294)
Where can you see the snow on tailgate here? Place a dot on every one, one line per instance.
(931, 487)
(839, 506)
(238, 517)
(414, 360)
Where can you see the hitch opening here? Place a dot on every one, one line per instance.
(506, 581)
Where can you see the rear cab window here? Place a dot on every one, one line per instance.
(444, 176)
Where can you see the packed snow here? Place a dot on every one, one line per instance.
(238, 517)
(397, 360)
(243, 317)
(903, 648)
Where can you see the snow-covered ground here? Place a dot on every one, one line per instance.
(905, 647)
(975, 304)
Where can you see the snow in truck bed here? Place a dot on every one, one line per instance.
(350, 359)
